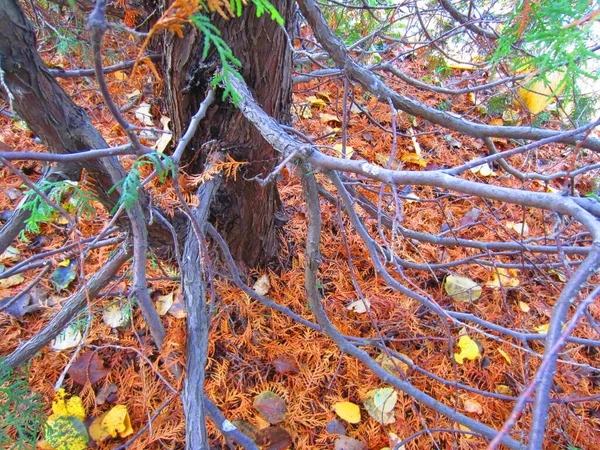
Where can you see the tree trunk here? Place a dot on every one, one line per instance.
(244, 212)
(40, 101)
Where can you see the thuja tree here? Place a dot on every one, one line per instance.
(226, 82)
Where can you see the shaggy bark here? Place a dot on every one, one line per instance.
(244, 212)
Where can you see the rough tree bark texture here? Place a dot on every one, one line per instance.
(40, 101)
(244, 212)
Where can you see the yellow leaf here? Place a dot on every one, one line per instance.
(473, 406)
(338, 150)
(462, 289)
(461, 66)
(413, 158)
(542, 329)
(465, 436)
(314, 101)
(497, 122)
(468, 349)
(347, 411)
(66, 433)
(120, 75)
(505, 278)
(561, 276)
(505, 355)
(65, 405)
(541, 93)
(64, 263)
(324, 96)
(503, 389)
(111, 423)
(97, 433)
(330, 119)
(524, 306)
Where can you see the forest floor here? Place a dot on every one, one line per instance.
(253, 349)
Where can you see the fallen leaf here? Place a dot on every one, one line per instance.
(66, 433)
(543, 329)
(69, 337)
(67, 405)
(262, 285)
(470, 217)
(468, 349)
(13, 280)
(462, 289)
(330, 120)
(25, 303)
(452, 141)
(117, 315)
(245, 427)
(359, 306)
(64, 274)
(334, 426)
(348, 411)
(106, 394)
(273, 438)
(502, 277)
(270, 406)
(540, 94)
(324, 96)
(380, 403)
(314, 101)
(505, 356)
(113, 423)
(286, 364)
(384, 159)
(484, 170)
(524, 306)
(413, 158)
(521, 228)
(392, 364)
(368, 136)
(120, 75)
(503, 389)
(177, 309)
(144, 115)
(348, 443)
(88, 368)
(10, 254)
(163, 142)
(164, 303)
(347, 154)
(473, 406)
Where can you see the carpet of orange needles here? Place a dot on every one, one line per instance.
(253, 349)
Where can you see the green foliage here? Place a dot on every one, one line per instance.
(553, 35)
(20, 411)
(42, 212)
(164, 167)
(212, 37)
(497, 104)
(261, 7)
